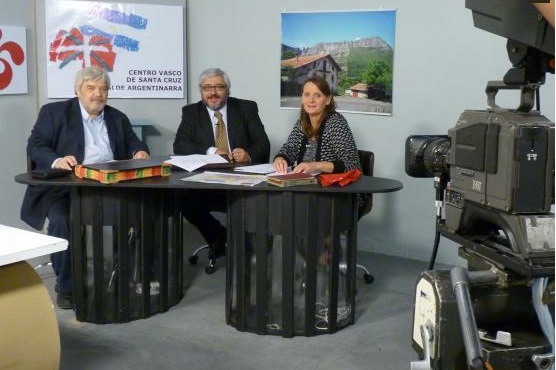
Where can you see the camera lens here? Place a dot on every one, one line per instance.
(426, 155)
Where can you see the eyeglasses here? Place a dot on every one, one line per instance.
(218, 87)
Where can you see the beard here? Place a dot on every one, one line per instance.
(218, 102)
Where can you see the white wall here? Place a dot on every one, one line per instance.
(17, 114)
(441, 67)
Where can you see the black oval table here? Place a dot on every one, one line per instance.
(291, 256)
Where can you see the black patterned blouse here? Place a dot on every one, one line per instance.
(335, 143)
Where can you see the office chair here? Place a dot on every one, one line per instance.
(367, 159)
(194, 257)
(30, 164)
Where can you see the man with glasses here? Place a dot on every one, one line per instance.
(218, 124)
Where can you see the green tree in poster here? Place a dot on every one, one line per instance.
(287, 54)
(379, 74)
(345, 82)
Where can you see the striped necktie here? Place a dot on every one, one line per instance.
(221, 139)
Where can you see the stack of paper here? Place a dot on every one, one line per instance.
(262, 169)
(195, 161)
(226, 178)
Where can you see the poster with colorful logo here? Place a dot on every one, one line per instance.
(139, 45)
(13, 60)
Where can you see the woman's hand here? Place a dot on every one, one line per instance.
(314, 167)
(280, 165)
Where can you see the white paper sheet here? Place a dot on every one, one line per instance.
(195, 161)
(262, 169)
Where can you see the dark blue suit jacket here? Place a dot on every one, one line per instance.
(58, 132)
(245, 130)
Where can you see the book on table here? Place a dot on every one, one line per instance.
(292, 179)
(129, 169)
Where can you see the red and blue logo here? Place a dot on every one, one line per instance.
(92, 46)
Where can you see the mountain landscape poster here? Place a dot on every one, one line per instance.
(352, 50)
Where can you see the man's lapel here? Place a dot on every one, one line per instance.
(110, 128)
(76, 126)
(234, 119)
(205, 122)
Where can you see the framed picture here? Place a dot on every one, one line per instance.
(13, 60)
(352, 50)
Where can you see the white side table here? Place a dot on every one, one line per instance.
(30, 338)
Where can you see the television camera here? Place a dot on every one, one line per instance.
(494, 180)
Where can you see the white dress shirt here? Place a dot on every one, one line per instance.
(97, 143)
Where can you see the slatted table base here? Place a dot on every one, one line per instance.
(291, 262)
(127, 254)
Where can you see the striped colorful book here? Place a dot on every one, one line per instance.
(116, 171)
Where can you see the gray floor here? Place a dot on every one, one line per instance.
(194, 335)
